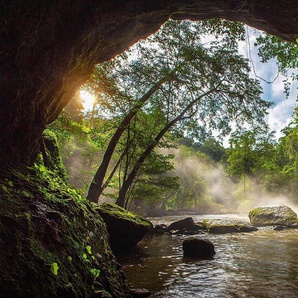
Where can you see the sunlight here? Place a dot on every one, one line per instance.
(87, 100)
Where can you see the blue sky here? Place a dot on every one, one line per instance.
(280, 113)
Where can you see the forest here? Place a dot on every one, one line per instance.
(152, 138)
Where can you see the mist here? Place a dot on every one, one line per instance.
(223, 194)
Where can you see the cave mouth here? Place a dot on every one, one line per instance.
(49, 50)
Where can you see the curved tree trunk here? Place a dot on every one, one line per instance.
(134, 172)
(96, 186)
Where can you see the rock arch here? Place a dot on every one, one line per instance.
(48, 49)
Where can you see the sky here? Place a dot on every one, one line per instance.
(282, 110)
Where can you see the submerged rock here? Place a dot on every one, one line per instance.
(125, 228)
(160, 229)
(273, 216)
(139, 293)
(198, 248)
(223, 226)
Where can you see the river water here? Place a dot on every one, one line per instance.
(261, 264)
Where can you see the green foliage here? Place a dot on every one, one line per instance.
(212, 148)
(248, 152)
(89, 250)
(286, 54)
(80, 148)
(95, 272)
(54, 268)
(174, 82)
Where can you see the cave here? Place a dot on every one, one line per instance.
(49, 48)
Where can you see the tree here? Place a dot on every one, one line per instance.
(209, 101)
(286, 54)
(212, 148)
(197, 87)
(281, 175)
(248, 152)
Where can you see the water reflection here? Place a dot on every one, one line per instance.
(259, 264)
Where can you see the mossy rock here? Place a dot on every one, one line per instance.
(272, 216)
(223, 226)
(51, 154)
(53, 242)
(125, 228)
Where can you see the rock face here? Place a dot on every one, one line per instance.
(51, 50)
(272, 216)
(52, 242)
(125, 228)
(221, 226)
(198, 248)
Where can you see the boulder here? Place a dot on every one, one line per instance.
(223, 226)
(125, 228)
(183, 224)
(198, 248)
(273, 216)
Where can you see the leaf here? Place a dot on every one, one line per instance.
(95, 272)
(43, 169)
(85, 256)
(69, 258)
(89, 251)
(54, 268)
(4, 188)
(10, 183)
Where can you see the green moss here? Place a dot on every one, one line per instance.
(122, 213)
(51, 157)
(226, 226)
(45, 229)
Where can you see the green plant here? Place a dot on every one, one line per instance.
(54, 268)
(88, 249)
(95, 272)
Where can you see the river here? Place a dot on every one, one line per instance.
(261, 264)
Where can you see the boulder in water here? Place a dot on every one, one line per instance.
(273, 216)
(125, 228)
(223, 226)
(198, 248)
(183, 224)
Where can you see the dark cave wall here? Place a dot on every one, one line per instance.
(48, 49)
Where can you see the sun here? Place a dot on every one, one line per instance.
(87, 100)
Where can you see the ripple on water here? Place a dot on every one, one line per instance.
(262, 264)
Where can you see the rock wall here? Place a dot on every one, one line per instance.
(48, 49)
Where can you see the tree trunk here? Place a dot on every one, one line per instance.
(96, 186)
(128, 182)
